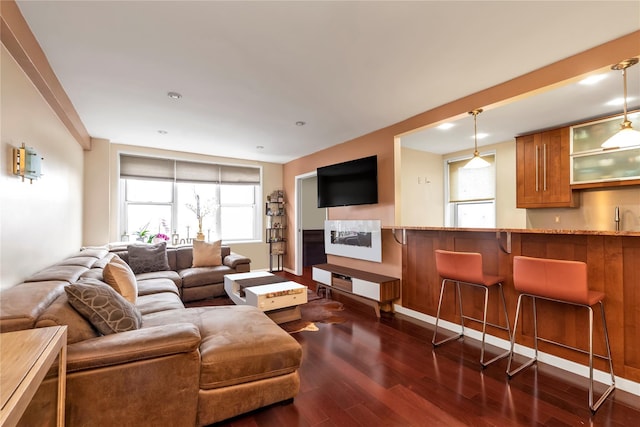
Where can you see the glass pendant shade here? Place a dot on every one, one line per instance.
(626, 136)
(476, 162)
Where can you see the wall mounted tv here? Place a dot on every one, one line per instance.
(350, 183)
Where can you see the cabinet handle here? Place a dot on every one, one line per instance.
(544, 166)
(537, 169)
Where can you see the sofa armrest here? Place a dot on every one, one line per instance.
(233, 260)
(131, 346)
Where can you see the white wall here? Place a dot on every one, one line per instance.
(97, 193)
(40, 223)
(422, 189)
(102, 202)
(312, 216)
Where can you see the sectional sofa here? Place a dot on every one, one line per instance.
(169, 365)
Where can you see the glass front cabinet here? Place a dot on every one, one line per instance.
(591, 166)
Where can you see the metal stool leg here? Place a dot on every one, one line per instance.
(511, 373)
(461, 312)
(484, 326)
(612, 387)
(435, 332)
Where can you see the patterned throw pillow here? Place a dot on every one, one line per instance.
(147, 258)
(101, 305)
(120, 277)
(207, 254)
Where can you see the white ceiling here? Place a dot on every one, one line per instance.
(248, 71)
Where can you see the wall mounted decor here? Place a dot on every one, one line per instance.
(27, 163)
(360, 239)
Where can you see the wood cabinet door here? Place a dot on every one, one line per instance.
(543, 170)
(528, 171)
(555, 185)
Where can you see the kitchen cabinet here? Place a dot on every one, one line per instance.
(593, 167)
(543, 170)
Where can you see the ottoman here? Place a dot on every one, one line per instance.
(247, 361)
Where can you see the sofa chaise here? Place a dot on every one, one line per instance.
(176, 366)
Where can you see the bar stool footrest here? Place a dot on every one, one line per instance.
(600, 401)
(451, 338)
(495, 359)
(511, 373)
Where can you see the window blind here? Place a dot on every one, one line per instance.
(197, 172)
(471, 184)
(146, 168)
(182, 171)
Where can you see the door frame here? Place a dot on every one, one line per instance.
(298, 221)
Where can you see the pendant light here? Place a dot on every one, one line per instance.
(476, 162)
(626, 136)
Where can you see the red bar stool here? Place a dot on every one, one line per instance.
(563, 282)
(466, 268)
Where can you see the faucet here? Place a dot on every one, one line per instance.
(616, 217)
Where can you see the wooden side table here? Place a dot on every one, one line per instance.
(25, 358)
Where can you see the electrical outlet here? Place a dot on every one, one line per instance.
(557, 219)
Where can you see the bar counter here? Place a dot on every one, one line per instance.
(612, 258)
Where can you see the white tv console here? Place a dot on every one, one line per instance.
(375, 290)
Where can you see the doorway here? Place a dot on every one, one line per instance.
(309, 224)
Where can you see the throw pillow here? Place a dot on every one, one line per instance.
(207, 254)
(120, 277)
(101, 305)
(148, 258)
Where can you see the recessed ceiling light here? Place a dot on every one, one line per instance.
(162, 132)
(446, 126)
(174, 95)
(301, 123)
(591, 80)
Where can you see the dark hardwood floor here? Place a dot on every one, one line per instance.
(370, 372)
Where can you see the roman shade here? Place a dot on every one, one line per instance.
(471, 184)
(139, 167)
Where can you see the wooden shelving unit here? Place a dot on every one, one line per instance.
(276, 226)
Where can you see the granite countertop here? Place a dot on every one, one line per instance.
(517, 230)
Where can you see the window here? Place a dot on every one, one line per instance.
(170, 196)
(471, 194)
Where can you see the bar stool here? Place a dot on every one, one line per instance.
(466, 268)
(562, 282)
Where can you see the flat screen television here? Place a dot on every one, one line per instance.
(349, 183)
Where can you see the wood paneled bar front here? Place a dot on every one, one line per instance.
(612, 259)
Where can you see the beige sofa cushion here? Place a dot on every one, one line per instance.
(202, 276)
(206, 254)
(106, 309)
(153, 303)
(157, 286)
(154, 275)
(120, 277)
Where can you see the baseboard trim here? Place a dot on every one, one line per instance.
(567, 365)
